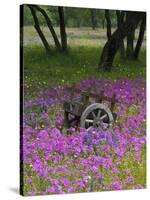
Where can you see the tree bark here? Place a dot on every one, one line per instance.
(120, 20)
(130, 41)
(38, 29)
(62, 28)
(140, 38)
(93, 19)
(50, 26)
(78, 23)
(130, 45)
(108, 22)
(103, 23)
(112, 45)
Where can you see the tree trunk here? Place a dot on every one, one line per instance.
(103, 23)
(38, 29)
(140, 38)
(130, 41)
(78, 23)
(130, 44)
(108, 22)
(62, 28)
(120, 20)
(93, 19)
(112, 45)
(50, 26)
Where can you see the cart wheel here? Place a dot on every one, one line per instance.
(70, 120)
(96, 115)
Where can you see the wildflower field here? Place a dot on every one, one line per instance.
(57, 159)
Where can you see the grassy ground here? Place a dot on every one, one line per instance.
(80, 62)
(83, 36)
(42, 70)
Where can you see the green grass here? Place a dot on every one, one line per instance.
(83, 35)
(85, 45)
(43, 70)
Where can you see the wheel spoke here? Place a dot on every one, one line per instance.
(89, 120)
(94, 116)
(99, 114)
(103, 117)
(89, 128)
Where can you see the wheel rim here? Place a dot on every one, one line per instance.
(95, 116)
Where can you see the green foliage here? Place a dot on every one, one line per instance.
(74, 17)
(28, 18)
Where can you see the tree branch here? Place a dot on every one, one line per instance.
(38, 29)
(50, 26)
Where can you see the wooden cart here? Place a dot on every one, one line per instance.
(90, 110)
